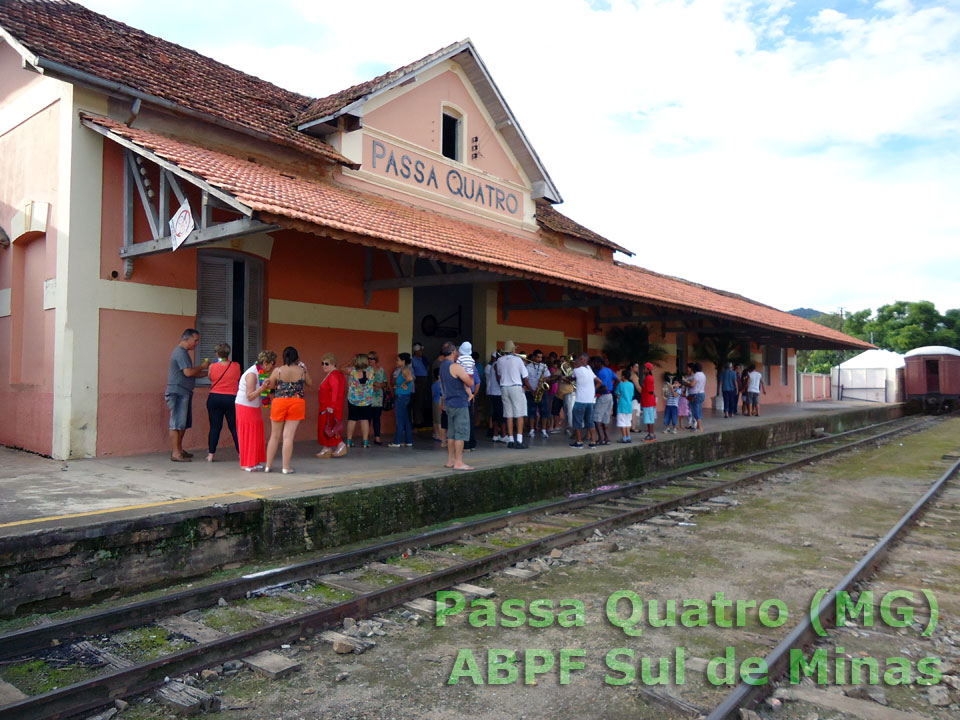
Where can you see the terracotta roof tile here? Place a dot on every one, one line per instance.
(70, 34)
(549, 217)
(323, 107)
(269, 190)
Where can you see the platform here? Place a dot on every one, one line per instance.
(71, 531)
(39, 492)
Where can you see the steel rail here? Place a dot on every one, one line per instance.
(28, 640)
(745, 695)
(96, 692)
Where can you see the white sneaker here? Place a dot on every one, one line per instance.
(496, 438)
(533, 433)
(544, 433)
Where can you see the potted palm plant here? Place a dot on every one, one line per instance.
(719, 350)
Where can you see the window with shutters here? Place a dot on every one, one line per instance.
(229, 306)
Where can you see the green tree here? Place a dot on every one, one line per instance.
(902, 326)
(899, 326)
(820, 361)
(631, 343)
(854, 324)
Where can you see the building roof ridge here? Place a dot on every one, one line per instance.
(73, 43)
(324, 111)
(320, 107)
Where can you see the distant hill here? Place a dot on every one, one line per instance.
(806, 312)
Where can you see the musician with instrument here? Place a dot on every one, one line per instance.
(566, 390)
(538, 400)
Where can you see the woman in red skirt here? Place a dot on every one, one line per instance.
(333, 386)
(253, 454)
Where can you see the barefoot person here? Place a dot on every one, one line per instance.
(181, 378)
(457, 394)
(288, 407)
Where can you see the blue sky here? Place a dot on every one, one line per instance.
(800, 153)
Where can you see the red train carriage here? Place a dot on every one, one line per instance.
(933, 377)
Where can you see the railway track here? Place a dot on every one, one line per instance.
(820, 627)
(360, 583)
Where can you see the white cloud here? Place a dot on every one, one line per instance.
(789, 153)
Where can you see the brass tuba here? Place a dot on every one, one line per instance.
(566, 373)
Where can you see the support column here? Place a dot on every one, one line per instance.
(405, 320)
(77, 326)
(479, 332)
(485, 319)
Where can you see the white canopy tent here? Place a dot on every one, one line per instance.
(873, 375)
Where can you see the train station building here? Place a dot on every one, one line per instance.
(411, 207)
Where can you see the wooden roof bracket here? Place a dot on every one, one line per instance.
(157, 209)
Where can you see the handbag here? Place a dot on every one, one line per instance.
(334, 427)
(387, 401)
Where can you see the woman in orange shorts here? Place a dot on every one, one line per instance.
(288, 407)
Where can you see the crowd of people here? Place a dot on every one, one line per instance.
(537, 393)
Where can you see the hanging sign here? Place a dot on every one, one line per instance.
(181, 225)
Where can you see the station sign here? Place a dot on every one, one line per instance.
(385, 159)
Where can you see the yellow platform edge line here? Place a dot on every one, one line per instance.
(239, 493)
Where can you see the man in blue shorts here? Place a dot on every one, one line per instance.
(181, 379)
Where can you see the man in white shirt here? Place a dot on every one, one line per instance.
(511, 373)
(754, 388)
(584, 400)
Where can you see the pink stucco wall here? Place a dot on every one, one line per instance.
(14, 80)
(415, 117)
(132, 417)
(131, 414)
(777, 392)
(814, 386)
(29, 155)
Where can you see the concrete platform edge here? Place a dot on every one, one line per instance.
(57, 567)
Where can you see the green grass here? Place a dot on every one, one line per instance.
(327, 594)
(274, 605)
(467, 552)
(229, 620)
(37, 676)
(418, 564)
(380, 580)
(509, 541)
(148, 643)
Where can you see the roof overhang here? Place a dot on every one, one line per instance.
(465, 55)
